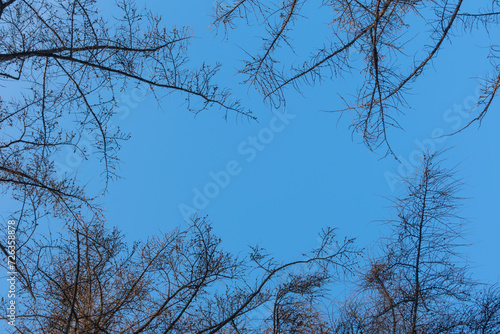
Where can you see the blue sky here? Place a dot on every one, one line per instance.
(313, 173)
(310, 172)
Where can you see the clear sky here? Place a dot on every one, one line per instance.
(279, 181)
(306, 171)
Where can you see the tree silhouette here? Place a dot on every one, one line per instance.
(419, 282)
(65, 64)
(382, 32)
(88, 280)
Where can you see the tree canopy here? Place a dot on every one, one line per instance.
(66, 62)
(383, 33)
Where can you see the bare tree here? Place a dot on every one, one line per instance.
(378, 30)
(419, 283)
(64, 64)
(483, 315)
(88, 280)
(68, 62)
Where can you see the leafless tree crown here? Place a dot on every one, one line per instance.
(381, 31)
(66, 65)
